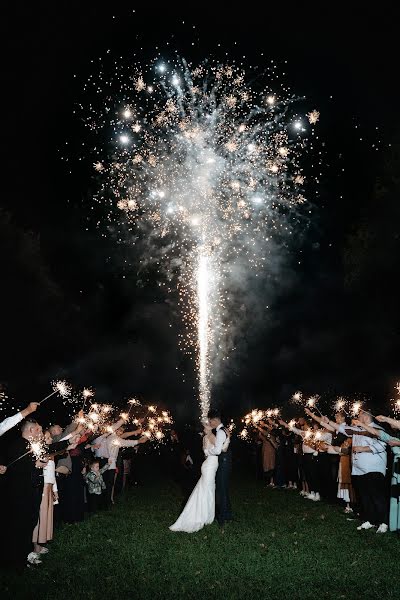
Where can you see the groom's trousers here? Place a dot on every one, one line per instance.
(223, 504)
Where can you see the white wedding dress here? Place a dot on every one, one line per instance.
(200, 508)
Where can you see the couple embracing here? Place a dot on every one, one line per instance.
(210, 497)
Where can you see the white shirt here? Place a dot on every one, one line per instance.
(49, 474)
(114, 444)
(301, 433)
(104, 451)
(219, 445)
(366, 462)
(9, 423)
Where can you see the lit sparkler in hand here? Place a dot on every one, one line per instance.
(62, 388)
(355, 408)
(208, 169)
(396, 403)
(312, 403)
(37, 447)
(297, 398)
(86, 393)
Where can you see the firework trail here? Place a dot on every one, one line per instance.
(205, 171)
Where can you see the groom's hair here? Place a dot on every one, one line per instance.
(214, 414)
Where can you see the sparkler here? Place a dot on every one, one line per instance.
(355, 408)
(396, 403)
(59, 387)
(86, 393)
(37, 447)
(205, 167)
(297, 398)
(312, 403)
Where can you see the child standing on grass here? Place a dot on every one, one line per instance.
(95, 484)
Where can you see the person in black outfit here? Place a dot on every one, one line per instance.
(223, 509)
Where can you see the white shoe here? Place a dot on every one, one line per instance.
(348, 510)
(33, 558)
(382, 528)
(44, 550)
(366, 525)
(311, 496)
(303, 493)
(317, 497)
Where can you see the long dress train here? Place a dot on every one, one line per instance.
(200, 508)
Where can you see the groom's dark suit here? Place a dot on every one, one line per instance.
(223, 510)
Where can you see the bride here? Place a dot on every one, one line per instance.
(200, 508)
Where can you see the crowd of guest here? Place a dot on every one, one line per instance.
(76, 471)
(79, 471)
(353, 462)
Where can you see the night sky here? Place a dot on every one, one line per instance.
(74, 303)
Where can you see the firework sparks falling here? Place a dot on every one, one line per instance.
(204, 168)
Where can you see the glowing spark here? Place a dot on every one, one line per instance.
(140, 84)
(63, 388)
(98, 166)
(87, 393)
(340, 404)
(226, 181)
(127, 113)
(203, 331)
(124, 416)
(38, 448)
(297, 397)
(244, 434)
(313, 117)
(356, 407)
(292, 424)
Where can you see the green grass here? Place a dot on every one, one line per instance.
(280, 546)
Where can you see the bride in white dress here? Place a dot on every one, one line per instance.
(200, 508)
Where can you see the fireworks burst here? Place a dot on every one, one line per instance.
(204, 168)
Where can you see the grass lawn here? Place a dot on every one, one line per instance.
(280, 546)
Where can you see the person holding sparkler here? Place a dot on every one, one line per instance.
(310, 459)
(106, 448)
(394, 443)
(369, 460)
(269, 445)
(11, 422)
(21, 510)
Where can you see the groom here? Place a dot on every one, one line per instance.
(222, 501)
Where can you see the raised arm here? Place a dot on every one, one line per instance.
(395, 423)
(323, 421)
